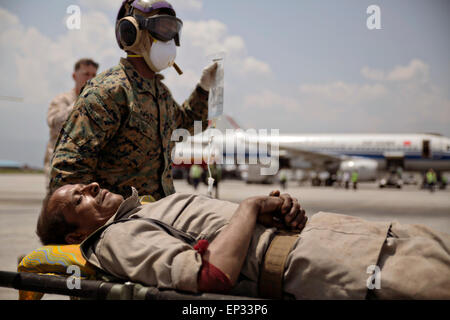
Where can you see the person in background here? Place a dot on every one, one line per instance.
(61, 106)
(355, 176)
(346, 179)
(283, 179)
(444, 182)
(431, 179)
(195, 175)
(216, 172)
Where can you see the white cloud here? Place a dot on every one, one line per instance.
(8, 18)
(105, 5)
(253, 65)
(415, 70)
(211, 36)
(102, 5)
(372, 74)
(200, 40)
(187, 4)
(41, 67)
(270, 100)
(342, 92)
(400, 99)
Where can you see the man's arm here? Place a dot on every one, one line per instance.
(56, 112)
(95, 119)
(195, 108)
(228, 251)
(142, 252)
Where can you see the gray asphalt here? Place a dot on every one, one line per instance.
(21, 197)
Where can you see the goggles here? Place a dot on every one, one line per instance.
(162, 27)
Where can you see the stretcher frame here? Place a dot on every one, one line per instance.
(100, 290)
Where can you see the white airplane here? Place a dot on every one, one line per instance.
(367, 153)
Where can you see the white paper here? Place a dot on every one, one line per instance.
(215, 101)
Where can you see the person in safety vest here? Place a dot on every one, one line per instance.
(431, 179)
(355, 176)
(195, 175)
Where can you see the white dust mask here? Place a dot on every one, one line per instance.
(162, 55)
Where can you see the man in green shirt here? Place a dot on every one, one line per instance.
(355, 176)
(195, 175)
(431, 179)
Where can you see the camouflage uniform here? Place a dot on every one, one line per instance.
(119, 133)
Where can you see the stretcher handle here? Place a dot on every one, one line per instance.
(99, 290)
(54, 284)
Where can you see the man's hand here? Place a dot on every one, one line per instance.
(208, 76)
(229, 249)
(292, 215)
(269, 208)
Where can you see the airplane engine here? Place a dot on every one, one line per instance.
(366, 168)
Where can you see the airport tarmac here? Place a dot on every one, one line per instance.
(21, 196)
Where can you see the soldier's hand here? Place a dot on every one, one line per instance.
(208, 76)
(291, 214)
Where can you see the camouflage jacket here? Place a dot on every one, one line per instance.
(119, 133)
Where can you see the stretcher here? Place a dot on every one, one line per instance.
(33, 286)
(51, 269)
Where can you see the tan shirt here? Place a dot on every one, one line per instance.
(329, 260)
(58, 112)
(138, 251)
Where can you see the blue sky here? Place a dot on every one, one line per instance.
(299, 66)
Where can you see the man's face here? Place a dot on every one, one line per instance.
(86, 206)
(83, 74)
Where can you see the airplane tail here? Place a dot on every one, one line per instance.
(225, 122)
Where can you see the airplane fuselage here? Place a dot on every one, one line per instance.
(414, 152)
(367, 153)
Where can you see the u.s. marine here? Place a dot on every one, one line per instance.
(119, 131)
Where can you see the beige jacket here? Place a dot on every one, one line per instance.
(138, 251)
(58, 111)
(329, 260)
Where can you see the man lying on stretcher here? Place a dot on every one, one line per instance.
(193, 243)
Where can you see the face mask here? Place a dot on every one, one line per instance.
(162, 55)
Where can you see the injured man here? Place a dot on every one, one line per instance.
(193, 243)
